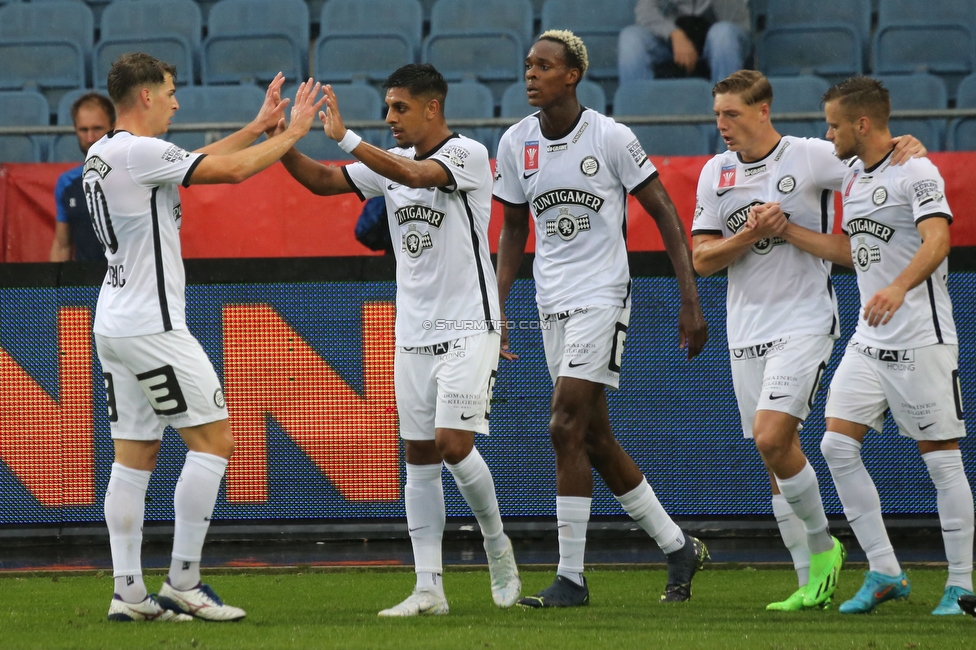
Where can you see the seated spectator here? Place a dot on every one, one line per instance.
(677, 38)
(93, 116)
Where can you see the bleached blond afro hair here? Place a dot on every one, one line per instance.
(575, 49)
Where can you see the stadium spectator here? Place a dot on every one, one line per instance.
(904, 353)
(437, 187)
(676, 38)
(574, 167)
(156, 373)
(74, 238)
(782, 313)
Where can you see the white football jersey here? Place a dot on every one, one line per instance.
(446, 286)
(576, 187)
(775, 289)
(881, 207)
(131, 184)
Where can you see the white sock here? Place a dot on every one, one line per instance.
(643, 506)
(193, 504)
(423, 498)
(475, 484)
(859, 496)
(955, 501)
(572, 516)
(802, 493)
(794, 536)
(125, 509)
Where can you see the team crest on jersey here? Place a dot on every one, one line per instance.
(786, 184)
(880, 196)
(566, 225)
(864, 256)
(97, 165)
(415, 242)
(219, 399)
(727, 177)
(590, 166)
(531, 154)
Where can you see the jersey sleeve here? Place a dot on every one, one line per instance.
(827, 169)
(364, 180)
(707, 220)
(626, 157)
(154, 162)
(507, 188)
(926, 190)
(466, 164)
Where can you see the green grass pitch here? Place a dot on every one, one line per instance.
(337, 609)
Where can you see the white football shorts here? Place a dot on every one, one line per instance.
(782, 375)
(586, 343)
(157, 380)
(446, 386)
(920, 386)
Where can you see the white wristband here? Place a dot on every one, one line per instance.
(349, 141)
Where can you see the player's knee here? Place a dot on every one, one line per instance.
(454, 449)
(566, 431)
(771, 445)
(839, 451)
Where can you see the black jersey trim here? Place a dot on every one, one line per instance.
(935, 314)
(643, 183)
(706, 232)
(452, 185)
(509, 203)
(477, 261)
(834, 324)
(354, 187)
(436, 147)
(947, 217)
(753, 162)
(824, 210)
(560, 136)
(193, 166)
(874, 167)
(158, 255)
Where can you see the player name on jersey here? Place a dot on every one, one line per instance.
(97, 165)
(419, 213)
(551, 198)
(865, 226)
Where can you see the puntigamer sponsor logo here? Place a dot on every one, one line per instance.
(865, 226)
(419, 213)
(563, 197)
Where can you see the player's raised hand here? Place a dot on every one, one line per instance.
(331, 119)
(906, 148)
(305, 107)
(273, 109)
(692, 329)
(504, 351)
(883, 305)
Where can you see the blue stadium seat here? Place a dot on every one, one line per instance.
(911, 11)
(940, 48)
(800, 94)
(757, 15)
(481, 56)
(22, 108)
(357, 102)
(831, 50)
(668, 97)
(341, 17)
(251, 40)
(349, 57)
(213, 104)
(453, 16)
(45, 44)
(856, 13)
(917, 92)
(166, 29)
(591, 95)
(597, 23)
(469, 100)
(65, 147)
(514, 101)
(962, 131)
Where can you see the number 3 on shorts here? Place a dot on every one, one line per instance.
(617, 350)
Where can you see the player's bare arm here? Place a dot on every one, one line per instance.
(271, 112)
(411, 173)
(61, 246)
(511, 249)
(712, 253)
(241, 165)
(692, 329)
(928, 257)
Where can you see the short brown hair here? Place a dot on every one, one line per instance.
(751, 85)
(136, 69)
(97, 99)
(859, 96)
